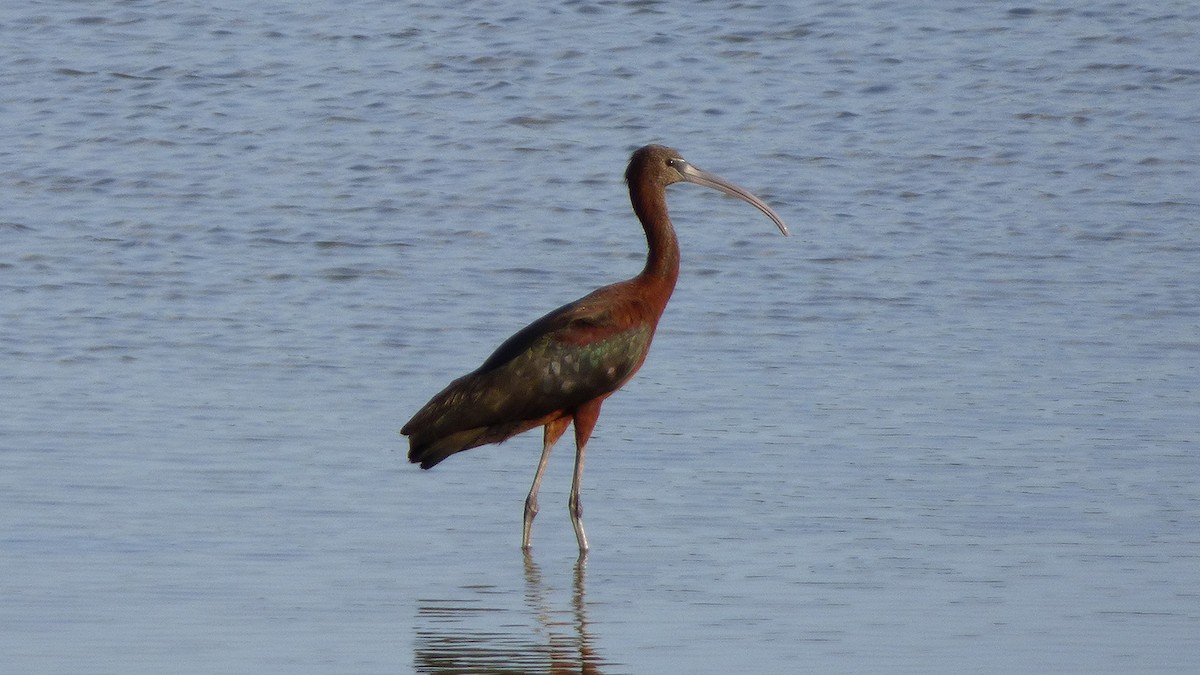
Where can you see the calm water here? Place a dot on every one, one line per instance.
(949, 426)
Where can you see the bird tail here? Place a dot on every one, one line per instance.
(428, 452)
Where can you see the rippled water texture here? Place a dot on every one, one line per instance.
(949, 426)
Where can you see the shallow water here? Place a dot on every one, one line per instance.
(948, 426)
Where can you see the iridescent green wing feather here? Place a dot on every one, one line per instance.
(568, 357)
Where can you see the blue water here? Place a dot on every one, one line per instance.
(950, 425)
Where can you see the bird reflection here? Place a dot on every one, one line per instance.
(481, 635)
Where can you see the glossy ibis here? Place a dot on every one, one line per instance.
(560, 368)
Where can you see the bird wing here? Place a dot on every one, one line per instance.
(578, 352)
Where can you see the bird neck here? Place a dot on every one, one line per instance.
(662, 261)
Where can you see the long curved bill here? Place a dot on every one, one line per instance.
(701, 177)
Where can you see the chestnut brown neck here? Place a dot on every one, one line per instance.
(662, 260)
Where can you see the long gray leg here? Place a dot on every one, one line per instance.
(585, 421)
(554, 431)
(575, 506)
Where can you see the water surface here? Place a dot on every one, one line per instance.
(948, 426)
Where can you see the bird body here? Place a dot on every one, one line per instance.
(560, 368)
(577, 353)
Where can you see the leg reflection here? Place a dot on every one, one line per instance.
(485, 628)
(571, 651)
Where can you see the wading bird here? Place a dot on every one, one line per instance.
(560, 368)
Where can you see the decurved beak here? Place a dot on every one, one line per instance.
(700, 177)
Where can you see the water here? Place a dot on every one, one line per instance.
(949, 426)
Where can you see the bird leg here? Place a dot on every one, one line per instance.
(585, 421)
(575, 506)
(553, 431)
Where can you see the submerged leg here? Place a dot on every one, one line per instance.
(585, 421)
(554, 431)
